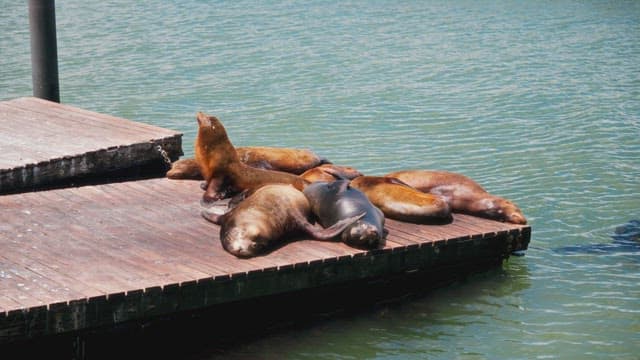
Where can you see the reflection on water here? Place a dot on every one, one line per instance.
(539, 103)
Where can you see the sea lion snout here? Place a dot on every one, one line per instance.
(204, 120)
(510, 212)
(516, 218)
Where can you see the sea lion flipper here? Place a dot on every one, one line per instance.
(238, 198)
(332, 231)
(262, 164)
(324, 160)
(396, 181)
(214, 214)
(335, 173)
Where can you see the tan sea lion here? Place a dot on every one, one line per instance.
(185, 169)
(263, 219)
(400, 201)
(223, 172)
(462, 194)
(330, 172)
(294, 161)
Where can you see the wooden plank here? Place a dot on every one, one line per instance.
(82, 117)
(42, 125)
(113, 241)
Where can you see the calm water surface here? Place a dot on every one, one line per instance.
(537, 101)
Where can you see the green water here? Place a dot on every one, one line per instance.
(537, 101)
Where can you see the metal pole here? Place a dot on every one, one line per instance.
(44, 49)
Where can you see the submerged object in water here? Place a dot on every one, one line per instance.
(626, 238)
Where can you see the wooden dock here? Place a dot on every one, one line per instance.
(94, 256)
(44, 143)
(76, 259)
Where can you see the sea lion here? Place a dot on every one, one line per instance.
(400, 201)
(294, 161)
(330, 172)
(221, 167)
(262, 219)
(185, 169)
(334, 201)
(626, 239)
(462, 194)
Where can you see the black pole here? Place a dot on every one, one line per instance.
(44, 49)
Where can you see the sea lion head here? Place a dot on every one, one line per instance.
(210, 130)
(512, 213)
(213, 149)
(244, 241)
(628, 233)
(362, 234)
(502, 210)
(184, 169)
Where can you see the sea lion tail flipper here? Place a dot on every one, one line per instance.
(262, 164)
(332, 231)
(335, 173)
(397, 181)
(214, 214)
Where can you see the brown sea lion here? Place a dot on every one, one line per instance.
(462, 194)
(294, 161)
(185, 169)
(335, 201)
(330, 172)
(223, 172)
(263, 219)
(400, 201)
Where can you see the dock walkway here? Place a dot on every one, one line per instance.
(100, 255)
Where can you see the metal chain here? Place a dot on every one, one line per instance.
(164, 155)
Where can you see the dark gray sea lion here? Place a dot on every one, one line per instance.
(263, 219)
(626, 238)
(224, 174)
(400, 201)
(335, 201)
(462, 194)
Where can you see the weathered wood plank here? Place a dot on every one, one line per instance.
(78, 116)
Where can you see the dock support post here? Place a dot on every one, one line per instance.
(44, 50)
